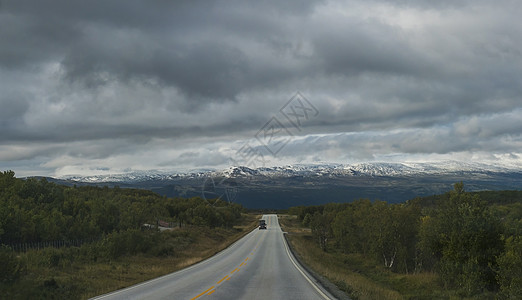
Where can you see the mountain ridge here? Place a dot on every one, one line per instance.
(304, 170)
(293, 185)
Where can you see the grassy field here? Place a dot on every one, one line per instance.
(52, 274)
(359, 276)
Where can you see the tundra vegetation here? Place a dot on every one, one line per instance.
(77, 242)
(458, 244)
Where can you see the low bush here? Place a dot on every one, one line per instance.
(11, 266)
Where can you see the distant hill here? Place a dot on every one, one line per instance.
(283, 187)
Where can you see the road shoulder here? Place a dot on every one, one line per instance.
(319, 279)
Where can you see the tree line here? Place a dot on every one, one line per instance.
(38, 211)
(472, 244)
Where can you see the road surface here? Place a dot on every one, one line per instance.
(258, 266)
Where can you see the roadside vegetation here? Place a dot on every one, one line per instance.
(456, 245)
(84, 241)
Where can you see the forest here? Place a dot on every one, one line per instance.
(107, 222)
(471, 240)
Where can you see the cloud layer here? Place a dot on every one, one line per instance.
(112, 86)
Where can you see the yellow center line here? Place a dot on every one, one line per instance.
(211, 290)
(222, 279)
(203, 293)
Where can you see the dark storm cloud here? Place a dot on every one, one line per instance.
(194, 78)
(352, 47)
(12, 111)
(179, 44)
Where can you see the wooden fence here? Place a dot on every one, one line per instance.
(23, 247)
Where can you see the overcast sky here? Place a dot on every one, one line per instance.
(111, 86)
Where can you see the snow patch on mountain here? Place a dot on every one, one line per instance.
(303, 170)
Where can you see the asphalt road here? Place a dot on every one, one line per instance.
(258, 266)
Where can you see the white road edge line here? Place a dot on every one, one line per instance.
(301, 271)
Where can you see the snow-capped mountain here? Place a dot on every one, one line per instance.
(363, 169)
(292, 185)
(318, 170)
(240, 171)
(135, 176)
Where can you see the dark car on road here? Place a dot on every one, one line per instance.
(262, 224)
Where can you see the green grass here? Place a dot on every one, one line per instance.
(360, 277)
(66, 274)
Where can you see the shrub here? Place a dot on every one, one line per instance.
(11, 267)
(510, 269)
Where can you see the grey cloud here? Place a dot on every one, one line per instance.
(351, 47)
(13, 108)
(178, 43)
(210, 70)
(78, 73)
(31, 39)
(492, 126)
(203, 157)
